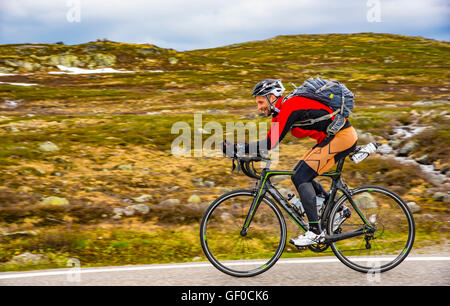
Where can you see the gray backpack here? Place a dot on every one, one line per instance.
(331, 93)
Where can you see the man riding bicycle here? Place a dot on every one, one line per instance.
(320, 158)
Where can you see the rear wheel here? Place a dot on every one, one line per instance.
(384, 211)
(227, 249)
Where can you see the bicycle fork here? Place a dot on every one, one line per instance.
(255, 204)
(261, 189)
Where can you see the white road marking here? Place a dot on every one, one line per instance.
(9, 275)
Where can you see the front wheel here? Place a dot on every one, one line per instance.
(233, 253)
(388, 225)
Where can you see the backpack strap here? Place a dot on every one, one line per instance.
(326, 86)
(314, 120)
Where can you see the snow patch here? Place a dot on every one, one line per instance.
(19, 84)
(75, 70)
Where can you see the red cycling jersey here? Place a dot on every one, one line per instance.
(294, 110)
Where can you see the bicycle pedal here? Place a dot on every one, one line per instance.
(300, 248)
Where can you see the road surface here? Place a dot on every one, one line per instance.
(314, 271)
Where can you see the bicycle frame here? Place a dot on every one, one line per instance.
(265, 186)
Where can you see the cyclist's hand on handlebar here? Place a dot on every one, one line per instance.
(229, 149)
(237, 150)
(233, 149)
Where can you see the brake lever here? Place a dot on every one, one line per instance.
(234, 165)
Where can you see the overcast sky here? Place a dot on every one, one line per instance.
(197, 24)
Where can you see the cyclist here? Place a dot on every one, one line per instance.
(328, 150)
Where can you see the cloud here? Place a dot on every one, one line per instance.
(194, 24)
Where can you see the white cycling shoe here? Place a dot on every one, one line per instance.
(309, 238)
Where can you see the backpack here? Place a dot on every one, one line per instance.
(331, 93)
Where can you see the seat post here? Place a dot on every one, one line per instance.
(340, 165)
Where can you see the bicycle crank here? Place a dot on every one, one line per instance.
(318, 248)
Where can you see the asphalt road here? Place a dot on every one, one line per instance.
(314, 271)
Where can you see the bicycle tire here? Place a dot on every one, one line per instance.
(350, 261)
(267, 205)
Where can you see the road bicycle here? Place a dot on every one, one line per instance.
(243, 232)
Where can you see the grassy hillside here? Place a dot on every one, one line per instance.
(111, 192)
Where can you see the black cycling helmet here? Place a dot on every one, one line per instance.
(268, 86)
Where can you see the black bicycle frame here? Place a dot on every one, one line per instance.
(265, 186)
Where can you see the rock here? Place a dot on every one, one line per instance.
(385, 149)
(106, 60)
(198, 182)
(6, 70)
(413, 207)
(170, 202)
(10, 104)
(436, 179)
(13, 129)
(48, 146)
(439, 196)
(208, 184)
(140, 208)
(148, 51)
(366, 137)
(143, 198)
(414, 113)
(11, 63)
(128, 211)
(28, 258)
(395, 143)
(407, 148)
(125, 167)
(54, 201)
(365, 201)
(424, 160)
(67, 60)
(172, 60)
(194, 199)
(27, 66)
(423, 103)
(173, 188)
(118, 213)
(93, 47)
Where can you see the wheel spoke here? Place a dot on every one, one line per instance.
(222, 224)
(393, 224)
